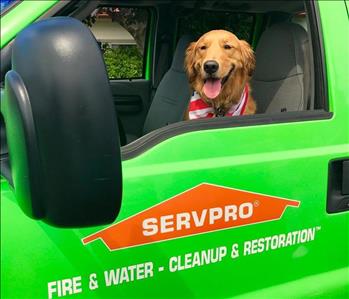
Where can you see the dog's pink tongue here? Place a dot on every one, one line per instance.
(212, 88)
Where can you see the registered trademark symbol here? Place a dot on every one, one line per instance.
(256, 203)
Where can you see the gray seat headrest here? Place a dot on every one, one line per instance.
(280, 52)
(282, 76)
(179, 54)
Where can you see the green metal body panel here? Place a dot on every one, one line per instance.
(288, 160)
(149, 52)
(21, 16)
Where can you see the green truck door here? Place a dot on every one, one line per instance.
(288, 159)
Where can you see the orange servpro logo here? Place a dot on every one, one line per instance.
(202, 209)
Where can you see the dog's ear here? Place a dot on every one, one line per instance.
(249, 60)
(189, 61)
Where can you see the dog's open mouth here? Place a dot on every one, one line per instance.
(213, 86)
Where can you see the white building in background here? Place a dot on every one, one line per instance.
(110, 32)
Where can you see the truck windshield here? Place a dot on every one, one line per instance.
(5, 4)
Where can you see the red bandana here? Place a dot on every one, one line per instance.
(198, 108)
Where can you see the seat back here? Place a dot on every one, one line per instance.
(280, 82)
(173, 94)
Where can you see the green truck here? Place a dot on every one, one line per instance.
(107, 193)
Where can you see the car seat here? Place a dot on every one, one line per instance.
(173, 94)
(281, 79)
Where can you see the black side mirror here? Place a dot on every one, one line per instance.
(61, 126)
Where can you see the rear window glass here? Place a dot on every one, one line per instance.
(121, 34)
(198, 22)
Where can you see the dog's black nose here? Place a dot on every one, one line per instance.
(211, 66)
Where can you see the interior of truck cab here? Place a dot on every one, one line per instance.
(149, 84)
(143, 44)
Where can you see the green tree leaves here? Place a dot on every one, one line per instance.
(123, 62)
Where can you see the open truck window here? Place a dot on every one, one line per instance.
(151, 94)
(284, 83)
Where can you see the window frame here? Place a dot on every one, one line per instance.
(320, 94)
(318, 56)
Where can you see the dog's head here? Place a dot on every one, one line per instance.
(216, 59)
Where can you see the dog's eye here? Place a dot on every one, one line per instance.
(227, 47)
(203, 48)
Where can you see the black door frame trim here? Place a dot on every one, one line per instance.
(320, 77)
(148, 141)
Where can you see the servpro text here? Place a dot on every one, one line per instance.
(183, 261)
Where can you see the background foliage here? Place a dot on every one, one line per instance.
(123, 62)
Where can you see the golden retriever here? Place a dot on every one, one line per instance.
(219, 67)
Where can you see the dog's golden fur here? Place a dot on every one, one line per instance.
(236, 62)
